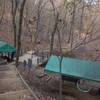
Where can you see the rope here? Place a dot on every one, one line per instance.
(31, 91)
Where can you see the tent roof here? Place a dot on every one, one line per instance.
(5, 47)
(81, 69)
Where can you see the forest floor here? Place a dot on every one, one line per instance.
(11, 86)
(46, 86)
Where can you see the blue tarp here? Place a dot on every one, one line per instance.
(82, 69)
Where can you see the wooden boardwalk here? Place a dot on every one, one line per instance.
(11, 86)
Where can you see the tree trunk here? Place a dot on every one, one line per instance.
(3, 11)
(20, 32)
(14, 11)
(53, 34)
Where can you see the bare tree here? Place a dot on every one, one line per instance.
(20, 31)
(14, 12)
(2, 10)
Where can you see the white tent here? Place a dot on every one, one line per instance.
(29, 55)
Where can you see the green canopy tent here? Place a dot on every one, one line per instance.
(7, 51)
(6, 48)
(82, 69)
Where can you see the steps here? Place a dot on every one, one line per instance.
(8, 74)
(16, 95)
(11, 86)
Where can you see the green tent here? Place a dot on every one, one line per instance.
(76, 68)
(5, 47)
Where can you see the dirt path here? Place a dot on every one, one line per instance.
(11, 86)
